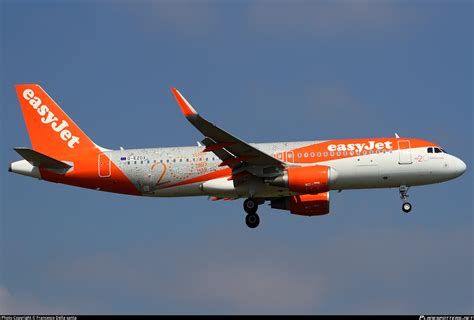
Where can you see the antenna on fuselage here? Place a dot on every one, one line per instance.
(396, 135)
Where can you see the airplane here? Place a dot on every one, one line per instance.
(292, 176)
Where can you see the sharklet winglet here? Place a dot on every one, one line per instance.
(185, 106)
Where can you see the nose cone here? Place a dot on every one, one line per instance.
(459, 167)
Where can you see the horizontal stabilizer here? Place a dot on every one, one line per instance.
(40, 160)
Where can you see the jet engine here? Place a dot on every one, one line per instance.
(304, 205)
(306, 180)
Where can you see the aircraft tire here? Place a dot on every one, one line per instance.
(252, 220)
(406, 207)
(250, 206)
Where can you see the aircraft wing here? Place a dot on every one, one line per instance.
(231, 150)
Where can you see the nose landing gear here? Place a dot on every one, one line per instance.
(406, 206)
(252, 219)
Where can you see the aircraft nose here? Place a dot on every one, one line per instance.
(459, 167)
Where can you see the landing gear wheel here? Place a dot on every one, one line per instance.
(250, 206)
(406, 207)
(252, 220)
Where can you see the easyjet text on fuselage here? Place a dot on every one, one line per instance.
(369, 145)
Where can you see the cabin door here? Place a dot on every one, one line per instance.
(404, 152)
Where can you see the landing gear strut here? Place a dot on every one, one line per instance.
(406, 207)
(252, 219)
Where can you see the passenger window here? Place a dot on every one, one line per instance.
(319, 154)
(345, 153)
(332, 153)
(338, 154)
(325, 154)
(312, 154)
(430, 150)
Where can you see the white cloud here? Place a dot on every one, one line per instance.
(330, 18)
(249, 276)
(197, 277)
(333, 100)
(255, 286)
(185, 17)
(283, 17)
(25, 304)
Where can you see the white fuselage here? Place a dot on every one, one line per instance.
(176, 172)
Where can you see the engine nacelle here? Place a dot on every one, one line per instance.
(306, 180)
(304, 205)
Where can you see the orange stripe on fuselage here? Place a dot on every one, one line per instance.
(309, 154)
(206, 177)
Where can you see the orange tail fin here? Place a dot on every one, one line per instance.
(50, 129)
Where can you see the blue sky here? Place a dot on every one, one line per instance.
(265, 71)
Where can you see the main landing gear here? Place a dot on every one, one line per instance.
(406, 206)
(252, 219)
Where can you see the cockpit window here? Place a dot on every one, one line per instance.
(430, 150)
(437, 150)
(442, 150)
